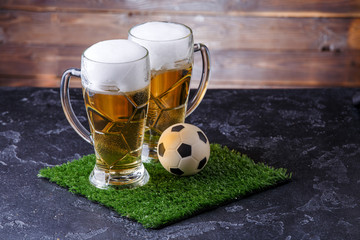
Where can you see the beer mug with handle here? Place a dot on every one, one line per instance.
(115, 77)
(171, 48)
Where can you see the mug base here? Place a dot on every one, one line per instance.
(149, 154)
(108, 179)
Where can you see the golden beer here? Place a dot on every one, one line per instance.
(117, 122)
(115, 79)
(167, 104)
(171, 48)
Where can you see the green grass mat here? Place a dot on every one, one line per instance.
(166, 198)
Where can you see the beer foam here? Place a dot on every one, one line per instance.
(160, 31)
(115, 65)
(167, 43)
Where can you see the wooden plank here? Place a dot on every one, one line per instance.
(224, 32)
(33, 81)
(354, 34)
(285, 69)
(36, 65)
(264, 8)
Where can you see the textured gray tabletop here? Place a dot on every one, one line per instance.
(314, 133)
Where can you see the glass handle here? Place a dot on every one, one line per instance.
(200, 93)
(66, 104)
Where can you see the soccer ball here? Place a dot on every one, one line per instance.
(183, 149)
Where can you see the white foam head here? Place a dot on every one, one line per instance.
(167, 43)
(115, 65)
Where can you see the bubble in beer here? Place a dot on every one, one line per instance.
(169, 44)
(115, 65)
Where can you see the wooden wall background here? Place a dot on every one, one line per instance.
(253, 43)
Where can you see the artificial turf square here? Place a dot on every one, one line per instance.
(166, 198)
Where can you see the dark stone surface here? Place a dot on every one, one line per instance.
(314, 133)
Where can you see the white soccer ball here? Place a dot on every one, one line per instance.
(183, 149)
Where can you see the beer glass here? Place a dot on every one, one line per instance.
(171, 48)
(115, 77)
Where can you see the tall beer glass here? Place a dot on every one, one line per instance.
(115, 77)
(171, 49)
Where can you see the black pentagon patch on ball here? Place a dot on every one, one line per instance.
(177, 128)
(184, 150)
(161, 149)
(202, 163)
(202, 137)
(176, 171)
